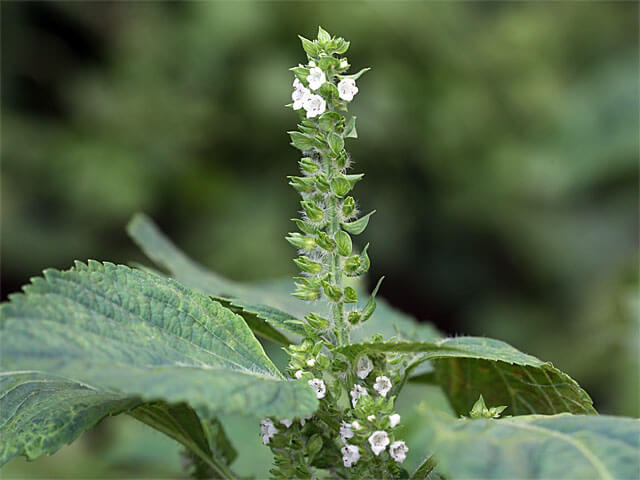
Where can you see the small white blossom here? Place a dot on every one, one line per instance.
(394, 420)
(316, 78)
(286, 422)
(300, 94)
(356, 425)
(298, 374)
(371, 418)
(318, 386)
(398, 451)
(379, 441)
(312, 63)
(314, 105)
(311, 362)
(347, 89)
(357, 392)
(345, 431)
(382, 385)
(364, 365)
(350, 455)
(344, 63)
(305, 420)
(267, 430)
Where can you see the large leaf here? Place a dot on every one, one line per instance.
(466, 367)
(40, 413)
(142, 335)
(536, 446)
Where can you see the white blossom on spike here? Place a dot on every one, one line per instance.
(314, 105)
(347, 89)
(286, 422)
(344, 63)
(382, 385)
(267, 430)
(371, 418)
(345, 431)
(350, 455)
(394, 420)
(364, 365)
(298, 374)
(356, 392)
(300, 94)
(318, 386)
(378, 441)
(398, 451)
(316, 78)
(311, 362)
(356, 425)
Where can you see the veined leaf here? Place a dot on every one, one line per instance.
(146, 336)
(466, 367)
(536, 446)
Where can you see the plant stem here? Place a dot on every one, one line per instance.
(337, 308)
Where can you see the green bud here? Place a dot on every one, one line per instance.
(304, 293)
(301, 242)
(354, 318)
(348, 206)
(307, 265)
(313, 283)
(327, 62)
(338, 365)
(351, 265)
(350, 295)
(314, 213)
(302, 184)
(322, 183)
(343, 242)
(332, 291)
(341, 159)
(305, 227)
(301, 141)
(336, 142)
(308, 165)
(323, 35)
(323, 361)
(310, 47)
(314, 445)
(363, 263)
(340, 186)
(317, 322)
(329, 120)
(350, 129)
(325, 242)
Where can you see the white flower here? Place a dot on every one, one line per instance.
(344, 63)
(311, 362)
(347, 89)
(316, 78)
(394, 420)
(382, 385)
(318, 386)
(267, 430)
(312, 63)
(345, 431)
(371, 418)
(356, 425)
(300, 94)
(379, 441)
(398, 451)
(356, 392)
(350, 455)
(298, 374)
(314, 105)
(364, 365)
(286, 422)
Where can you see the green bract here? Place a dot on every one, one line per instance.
(177, 350)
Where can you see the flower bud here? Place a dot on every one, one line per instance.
(314, 213)
(305, 227)
(325, 242)
(340, 186)
(317, 322)
(332, 291)
(302, 242)
(307, 265)
(323, 361)
(308, 165)
(348, 207)
(343, 242)
(351, 265)
(302, 184)
(322, 183)
(354, 318)
(350, 295)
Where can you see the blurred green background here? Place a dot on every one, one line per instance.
(499, 141)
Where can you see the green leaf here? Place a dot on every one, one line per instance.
(355, 76)
(40, 413)
(309, 47)
(350, 129)
(302, 141)
(336, 142)
(357, 226)
(425, 469)
(142, 335)
(536, 446)
(323, 35)
(468, 366)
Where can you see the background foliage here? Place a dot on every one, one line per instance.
(500, 143)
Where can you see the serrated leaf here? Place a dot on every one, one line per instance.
(466, 367)
(357, 226)
(142, 335)
(536, 447)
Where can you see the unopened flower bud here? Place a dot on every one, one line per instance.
(340, 186)
(317, 322)
(348, 207)
(302, 184)
(322, 183)
(301, 242)
(350, 295)
(314, 213)
(354, 318)
(307, 265)
(325, 242)
(308, 165)
(332, 291)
